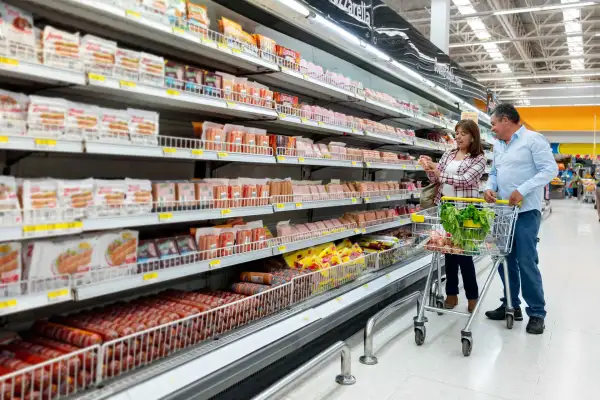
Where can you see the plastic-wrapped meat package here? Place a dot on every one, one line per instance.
(390, 213)
(314, 192)
(320, 225)
(10, 208)
(13, 112)
(301, 193)
(234, 193)
(284, 229)
(225, 245)
(259, 235)
(204, 194)
(227, 85)
(329, 224)
(380, 215)
(10, 266)
(337, 223)
(302, 229)
(18, 36)
(289, 58)
(147, 253)
(266, 46)
(232, 32)
(188, 250)
(197, 17)
(127, 64)
(262, 143)
(213, 136)
(39, 198)
(248, 43)
(61, 49)
(76, 198)
(52, 258)
(167, 252)
(288, 103)
(83, 121)
(174, 75)
(116, 250)
(243, 238)
(212, 84)
(164, 196)
(249, 142)
(46, 116)
(114, 125)
(208, 241)
(185, 194)
(305, 111)
(234, 136)
(324, 150)
(98, 54)
(322, 192)
(109, 197)
(264, 195)
(254, 94)
(303, 147)
(152, 69)
(138, 197)
(220, 192)
(312, 227)
(249, 192)
(315, 151)
(194, 79)
(240, 90)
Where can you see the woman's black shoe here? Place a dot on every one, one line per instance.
(499, 314)
(535, 326)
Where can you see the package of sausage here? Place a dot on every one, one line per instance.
(76, 198)
(164, 195)
(114, 125)
(138, 197)
(213, 136)
(127, 64)
(143, 126)
(234, 135)
(61, 49)
(46, 116)
(98, 54)
(152, 69)
(76, 337)
(208, 242)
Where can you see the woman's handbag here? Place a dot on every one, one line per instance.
(428, 196)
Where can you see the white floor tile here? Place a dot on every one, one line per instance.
(504, 364)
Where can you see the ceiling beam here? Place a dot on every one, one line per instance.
(542, 59)
(514, 10)
(521, 39)
(553, 74)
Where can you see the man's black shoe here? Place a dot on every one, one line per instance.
(499, 314)
(535, 326)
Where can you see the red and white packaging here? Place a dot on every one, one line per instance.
(61, 49)
(116, 251)
(138, 196)
(143, 126)
(152, 69)
(114, 125)
(127, 64)
(10, 208)
(46, 116)
(53, 258)
(98, 55)
(109, 197)
(13, 112)
(39, 198)
(76, 198)
(10, 265)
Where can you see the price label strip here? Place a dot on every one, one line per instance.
(150, 276)
(44, 143)
(197, 152)
(282, 249)
(214, 263)
(7, 304)
(57, 295)
(9, 61)
(165, 217)
(96, 77)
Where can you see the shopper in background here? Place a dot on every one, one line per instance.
(575, 183)
(457, 175)
(598, 198)
(523, 165)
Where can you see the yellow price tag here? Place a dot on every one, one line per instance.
(354, 200)
(353, 162)
(222, 46)
(9, 61)
(280, 206)
(388, 197)
(357, 231)
(3, 139)
(165, 216)
(367, 199)
(366, 285)
(96, 77)
(403, 166)
(178, 31)
(320, 123)
(8, 304)
(306, 318)
(132, 14)
(303, 120)
(388, 276)
(57, 294)
(280, 158)
(214, 263)
(282, 249)
(45, 142)
(232, 104)
(197, 152)
(222, 155)
(338, 298)
(172, 92)
(225, 211)
(300, 160)
(150, 276)
(169, 150)
(299, 205)
(236, 51)
(368, 164)
(69, 225)
(354, 130)
(364, 230)
(282, 115)
(127, 84)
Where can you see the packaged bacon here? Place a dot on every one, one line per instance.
(213, 136)
(143, 126)
(98, 54)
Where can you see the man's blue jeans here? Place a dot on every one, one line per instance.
(523, 272)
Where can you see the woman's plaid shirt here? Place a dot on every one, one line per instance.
(466, 180)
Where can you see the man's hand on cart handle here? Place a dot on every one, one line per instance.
(515, 198)
(490, 196)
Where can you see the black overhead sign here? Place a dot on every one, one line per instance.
(375, 23)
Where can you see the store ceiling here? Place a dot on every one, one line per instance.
(544, 43)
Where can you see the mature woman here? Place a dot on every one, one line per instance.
(457, 175)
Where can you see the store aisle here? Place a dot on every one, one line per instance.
(560, 364)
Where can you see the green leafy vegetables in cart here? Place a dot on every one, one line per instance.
(467, 239)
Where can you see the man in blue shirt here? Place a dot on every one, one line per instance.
(523, 165)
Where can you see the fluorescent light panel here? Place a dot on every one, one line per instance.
(296, 6)
(547, 76)
(544, 8)
(457, 45)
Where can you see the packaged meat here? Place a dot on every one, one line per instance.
(185, 194)
(109, 197)
(248, 43)
(76, 198)
(234, 135)
(289, 102)
(213, 136)
(46, 116)
(164, 195)
(186, 245)
(240, 90)
(266, 47)
(18, 32)
(52, 258)
(116, 253)
(147, 252)
(228, 84)
(82, 121)
(208, 241)
(232, 32)
(174, 74)
(226, 242)
(194, 79)
(76, 337)
(127, 64)
(114, 125)
(152, 69)
(197, 17)
(138, 196)
(10, 208)
(10, 265)
(39, 198)
(98, 55)
(61, 49)
(143, 126)
(167, 252)
(212, 84)
(249, 289)
(13, 113)
(289, 58)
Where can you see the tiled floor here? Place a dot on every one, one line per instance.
(563, 363)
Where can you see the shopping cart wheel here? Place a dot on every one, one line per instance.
(467, 346)
(439, 304)
(510, 320)
(420, 334)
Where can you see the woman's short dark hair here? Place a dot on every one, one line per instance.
(509, 111)
(470, 127)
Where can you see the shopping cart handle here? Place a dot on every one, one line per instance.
(475, 200)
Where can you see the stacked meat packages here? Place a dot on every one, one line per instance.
(232, 138)
(233, 238)
(365, 219)
(287, 191)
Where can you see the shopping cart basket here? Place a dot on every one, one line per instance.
(469, 227)
(589, 192)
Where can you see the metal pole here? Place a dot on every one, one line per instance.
(368, 358)
(345, 378)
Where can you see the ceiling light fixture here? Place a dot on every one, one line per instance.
(544, 8)
(510, 89)
(547, 76)
(591, 96)
(296, 6)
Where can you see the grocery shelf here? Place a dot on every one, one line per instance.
(389, 197)
(167, 98)
(303, 244)
(29, 143)
(388, 225)
(306, 205)
(323, 162)
(35, 293)
(23, 70)
(149, 30)
(394, 166)
(202, 370)
(387, 139)
(308, 125)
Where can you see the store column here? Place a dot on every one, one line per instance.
(440, 24)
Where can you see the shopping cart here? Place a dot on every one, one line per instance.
(589, 192)
(468, 227)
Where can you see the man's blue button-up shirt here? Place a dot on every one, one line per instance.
(525, 164)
